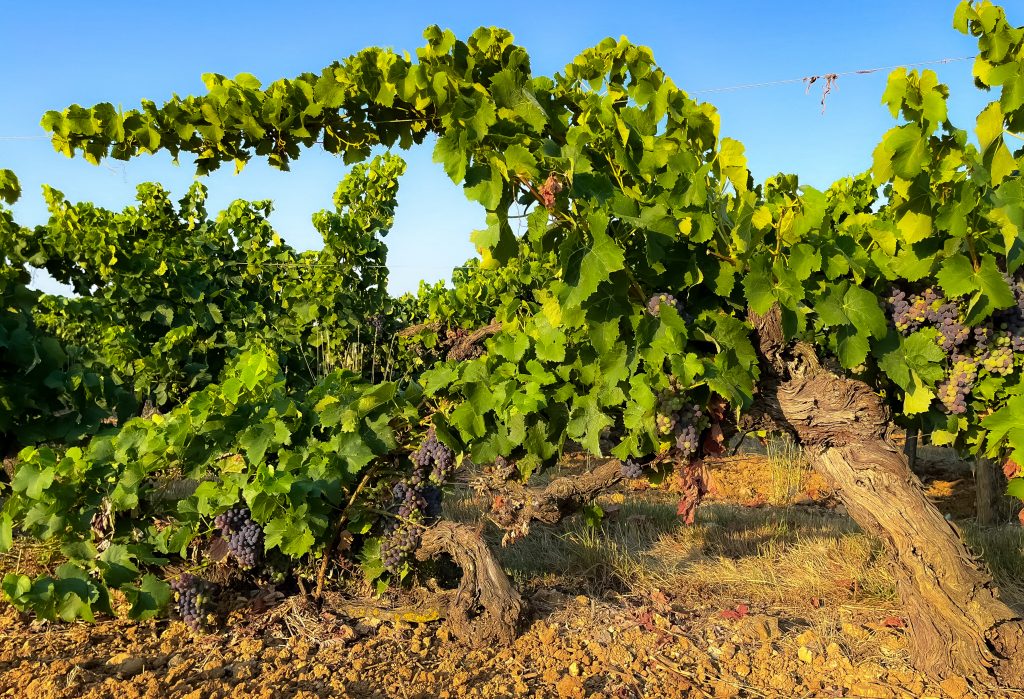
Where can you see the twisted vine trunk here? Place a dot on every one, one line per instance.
(485, 609)
(959, 624)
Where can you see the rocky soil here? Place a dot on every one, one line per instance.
(655, 636)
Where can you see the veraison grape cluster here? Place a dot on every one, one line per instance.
(243, 535)
(988, 347)
(664, 298)
(192, 596)
(416, 502)
(679, 421)
(632, 469)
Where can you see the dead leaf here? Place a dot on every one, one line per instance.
(714, 440)
(217, 551)
(659, 599)
(1011, 469)
(738, 612)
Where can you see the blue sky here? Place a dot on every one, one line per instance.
(57, 54)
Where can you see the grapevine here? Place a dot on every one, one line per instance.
(902, 282)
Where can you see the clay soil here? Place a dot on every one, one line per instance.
(772, 593)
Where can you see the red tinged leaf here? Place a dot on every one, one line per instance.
(738, 612)
(646, 620)
(691, 481)
(1011, 469)
(848, 584)
(659, 599)
(816, 602)
(894, 622)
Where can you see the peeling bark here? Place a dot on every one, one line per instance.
(486, 608)
(514, 506)
(958, 622)
(468, 346)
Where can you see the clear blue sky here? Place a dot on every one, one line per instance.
(58, 53)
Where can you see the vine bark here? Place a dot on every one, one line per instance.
(486, 608)
(958, 622)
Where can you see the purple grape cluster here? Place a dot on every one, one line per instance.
(435, 459)
(664, 298)
(192, 596)
(432, 497)
(632, 469)
(950, 325)
(377, 323)
(928, 308)
(416, 501)
(400, 541)
(686, 439)
(989, 346)
(243, 535)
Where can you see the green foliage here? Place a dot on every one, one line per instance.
(604, 186)
(45, 393)
(301, 462)
(166, 294)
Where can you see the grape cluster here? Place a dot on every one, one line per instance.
(632, 469)
(953, 391)
(998, 360)
(192, 597)
(433, 460)
(658, 300)
(400, 541)
(377, 323)
(244, 536)
(416, 501)
(950, 325)
(989, 346)
(432, 497)
(679, 421)
(928, 308)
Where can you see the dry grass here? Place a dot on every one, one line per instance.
(769, 555)
(789, 469)
(783, 556)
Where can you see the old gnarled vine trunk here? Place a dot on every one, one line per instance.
(959, 625)
(486, 608)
